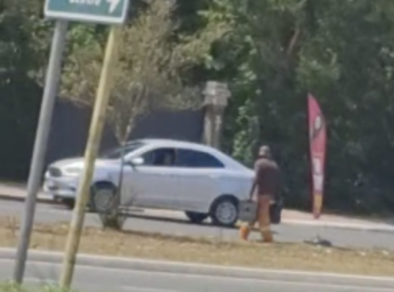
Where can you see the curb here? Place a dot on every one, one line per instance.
(96, 261)
(22, 199)
(337, 225)
(358, 226)
(350, 226)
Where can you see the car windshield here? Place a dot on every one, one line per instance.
(116, 153)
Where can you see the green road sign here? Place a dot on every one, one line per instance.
(98, 11)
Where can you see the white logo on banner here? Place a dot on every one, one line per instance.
(318, 182)
(317, 166)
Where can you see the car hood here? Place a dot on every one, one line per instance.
(79, 162)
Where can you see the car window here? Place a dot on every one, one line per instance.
(196, 159)
(116, 153)
(164, 157)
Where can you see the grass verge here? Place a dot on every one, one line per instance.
(11, 287)
(204, 250)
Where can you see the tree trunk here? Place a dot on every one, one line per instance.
(114, 219)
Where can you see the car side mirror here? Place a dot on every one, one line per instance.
(136, 161)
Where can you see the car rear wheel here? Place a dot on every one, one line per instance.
(195, 217)
(224, 211)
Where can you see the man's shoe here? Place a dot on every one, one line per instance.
(244, 232)
(267, 237)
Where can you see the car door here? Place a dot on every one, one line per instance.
(198, 179)
(151, 184)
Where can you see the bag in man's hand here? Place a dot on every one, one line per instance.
(276, 211)
(247, 211)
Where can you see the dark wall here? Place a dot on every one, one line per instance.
(70, 127)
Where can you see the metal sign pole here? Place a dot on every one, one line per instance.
(40, 146)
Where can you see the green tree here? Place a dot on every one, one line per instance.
(149, 75)
(23, 49)
(279, 50)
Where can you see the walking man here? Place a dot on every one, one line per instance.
(264, 190)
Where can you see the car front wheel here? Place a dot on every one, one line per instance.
(102, 198)
(224, 211)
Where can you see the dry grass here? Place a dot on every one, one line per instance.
(12, 287)
(203, 250)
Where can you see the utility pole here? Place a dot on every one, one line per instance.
(216, 100)
(40, 146)
(95, 133)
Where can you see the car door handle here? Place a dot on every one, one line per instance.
(215, 176)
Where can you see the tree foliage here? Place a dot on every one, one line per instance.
(23, 47)
(341, 51)
(151, 65)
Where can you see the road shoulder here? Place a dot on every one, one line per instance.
(207, 270)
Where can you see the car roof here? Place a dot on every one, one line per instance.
(177, 143)
(192, 145)
(172, 142)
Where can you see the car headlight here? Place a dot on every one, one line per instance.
(72, 171)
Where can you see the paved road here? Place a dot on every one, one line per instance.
(285, 233)
(99, 279)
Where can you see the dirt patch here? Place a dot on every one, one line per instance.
(205, 250)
